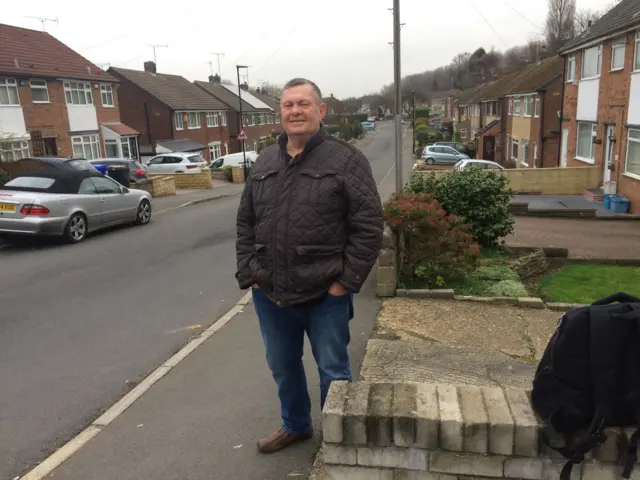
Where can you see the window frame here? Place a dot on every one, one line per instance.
(463, 133)
(212, 120)
(107, 89)
(178, 120)
(594, 127)
(194, 116)
(212, 150)
(515, 143)
(636, 53)
(620, 46)
(527, 102)
(23, 145)
(571, 69)
(44, 87)
(510, 109)
(536, 107)
(7, 83)
(85, 90)
(598, 49)
(627, 173)
(113, 141)
(223, 119)
(525, 153)
(516, 106)
(93, 141)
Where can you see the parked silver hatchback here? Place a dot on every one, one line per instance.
(441, 155)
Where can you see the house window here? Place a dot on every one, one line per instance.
(636, 55)
(212, 119)
(277, 118)
(585, 147)
(571, 68)
(39, 91)
(528, 103)
(111, 148)
(78, 93)
(261, 119)
(11, 151)
(179, 120)
(124, 144)
(516, 106)
(525, 153)
(85, 146)
(632, 166)
(511, 106)
(194, 120)
(514, 149)
(617, 53)
(215, 150)
(223, 118)
(9, 92)
(591, 62)
(250, 120)
(226, 148)
(463, 133)
(106, 92)
(536, 108)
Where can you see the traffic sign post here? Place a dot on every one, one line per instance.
(243, 135)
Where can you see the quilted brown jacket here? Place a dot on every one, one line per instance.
(306, 222)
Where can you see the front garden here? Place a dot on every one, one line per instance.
(451, 230)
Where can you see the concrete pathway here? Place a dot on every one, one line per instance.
(563, 202)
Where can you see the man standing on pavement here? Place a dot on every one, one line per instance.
(310, 228)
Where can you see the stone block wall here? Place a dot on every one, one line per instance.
(218, 174)
(238, 174)
(387, 269)
(157, 185)
(444, 432)
(202, 179)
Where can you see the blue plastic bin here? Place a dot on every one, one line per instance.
(619, 204)
(607, 201)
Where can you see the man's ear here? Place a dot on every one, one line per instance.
(323, 110)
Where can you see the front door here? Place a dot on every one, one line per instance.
(565, 147)
(488, 147)
(608, 155)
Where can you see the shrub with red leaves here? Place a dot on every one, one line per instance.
(434, 244)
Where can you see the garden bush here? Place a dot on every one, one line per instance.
(480, 197)
(436, 246)
(228, 172)
(4, 177)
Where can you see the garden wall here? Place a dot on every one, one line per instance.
(546, 181)
(202, 179)
(387, 269)
(424, 431)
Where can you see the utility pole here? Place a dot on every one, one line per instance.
(413, 120)
(240, 121)
(218, 54)
(398, 94)
(154, 52)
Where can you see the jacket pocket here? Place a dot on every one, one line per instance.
(263, 186)
(261, 266)
(317, 186)
(315, 267)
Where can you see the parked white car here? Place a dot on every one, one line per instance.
(176, 162)
(473, 163)
(235, 160)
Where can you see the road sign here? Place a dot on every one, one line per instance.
(243, 135)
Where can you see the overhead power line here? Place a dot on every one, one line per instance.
(488, 24)
(537, 27)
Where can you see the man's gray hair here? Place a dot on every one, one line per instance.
(298, 82)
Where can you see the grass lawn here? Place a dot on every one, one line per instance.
(585, 283)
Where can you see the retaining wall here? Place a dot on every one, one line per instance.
(443, 432)
(202, 179)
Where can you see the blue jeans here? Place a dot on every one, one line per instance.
(326, 323)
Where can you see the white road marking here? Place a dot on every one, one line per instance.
(62, 454)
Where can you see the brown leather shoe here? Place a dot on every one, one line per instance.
(280, 439)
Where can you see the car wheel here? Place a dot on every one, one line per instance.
(76, 229)
(144, 213)
(430, 161)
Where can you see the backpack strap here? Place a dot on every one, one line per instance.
(620, 297)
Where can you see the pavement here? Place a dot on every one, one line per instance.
(584, 238)
(113, 309)
(563, 202)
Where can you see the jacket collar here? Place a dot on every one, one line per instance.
(312, 143)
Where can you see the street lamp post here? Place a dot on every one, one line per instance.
(398, 94)
(240, 121)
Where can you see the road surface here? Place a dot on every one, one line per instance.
(81, 325)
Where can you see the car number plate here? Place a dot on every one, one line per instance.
(8, 207)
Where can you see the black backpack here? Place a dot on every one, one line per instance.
(589, 379)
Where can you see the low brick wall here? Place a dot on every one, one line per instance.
(201, 179)
(238, 174)
(443, 432)
(545, 181)
(157, 185)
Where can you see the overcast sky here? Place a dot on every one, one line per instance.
(341, 44)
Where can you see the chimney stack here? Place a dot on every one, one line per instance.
(214, 79)
(150, 67)
(245, 86)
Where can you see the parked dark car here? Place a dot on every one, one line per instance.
(34, 164)
(459, 146)
(122, 170)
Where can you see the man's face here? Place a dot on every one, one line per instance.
(301, 110)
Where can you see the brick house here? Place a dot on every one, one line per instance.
(462, 113)
(334, 106)
(172, 114)
(534, 100)
(601, 100)
(259, 120)
(55, 102)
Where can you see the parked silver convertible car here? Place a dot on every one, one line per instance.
(68, 203)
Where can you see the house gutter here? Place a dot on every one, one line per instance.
(564, 71)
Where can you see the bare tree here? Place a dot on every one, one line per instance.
(584, 17)
(560, 24)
